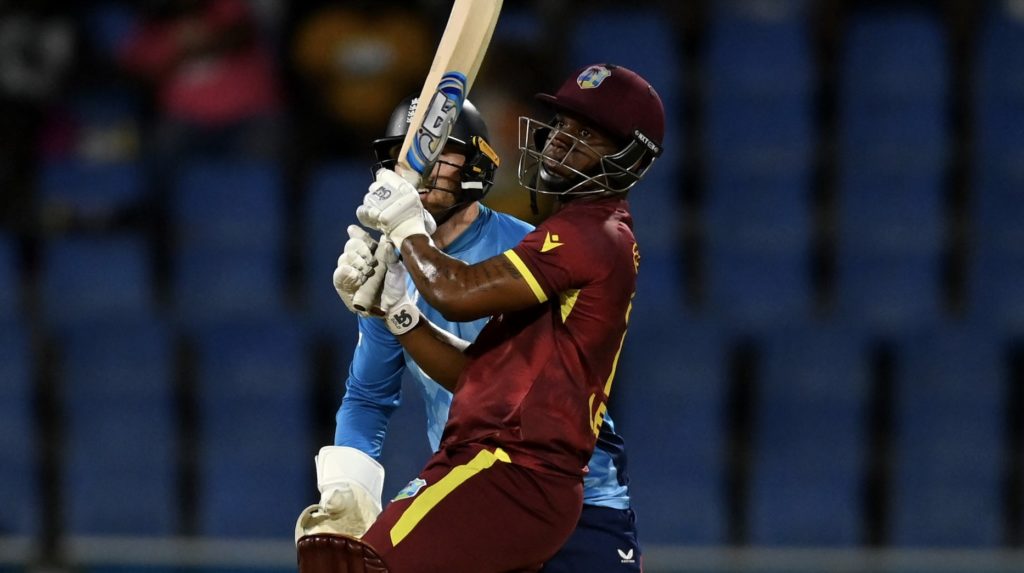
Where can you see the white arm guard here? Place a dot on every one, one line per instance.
(350, 484)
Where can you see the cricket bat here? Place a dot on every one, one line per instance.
(449, 80)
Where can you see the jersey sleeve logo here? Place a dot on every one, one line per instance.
(551, 243)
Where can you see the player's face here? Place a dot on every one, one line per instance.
(442, 189)
(561, 152)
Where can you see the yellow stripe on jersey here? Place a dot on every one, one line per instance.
(525, 271)
(568, 299)
(433, 495)
(615, 362)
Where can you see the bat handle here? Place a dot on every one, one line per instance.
(364, 298)
(408, 173)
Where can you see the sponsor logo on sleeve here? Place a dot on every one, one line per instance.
(551, 243)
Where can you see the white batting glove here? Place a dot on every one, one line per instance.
(392, 205)
(350, 484)
(355, 266)
(400, 311)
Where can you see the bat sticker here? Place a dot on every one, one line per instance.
(444, 109)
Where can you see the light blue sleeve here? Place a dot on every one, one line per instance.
(373, 390)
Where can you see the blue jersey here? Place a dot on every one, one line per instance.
(373, 389)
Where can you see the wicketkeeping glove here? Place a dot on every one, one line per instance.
(350, 484)
(392, 205)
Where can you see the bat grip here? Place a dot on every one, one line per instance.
(368, 294)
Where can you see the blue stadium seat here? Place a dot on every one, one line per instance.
(92, 278)
(762, 201)
(213, 286)
(891, 209)
(995, 295)
(896, 52)
(998, 178)
(999, 81)
(230, 205)
(661, 276)
(761, 77)
(256, 448)
(89, 189)
(674, 370)
(760, 47)
(889, 291)
(754, 287)
(949, 427)
(810, 438)
(19, 441)
(334, 192)
(894, 88)
(997, 207)
(121, 454)
(10, 279)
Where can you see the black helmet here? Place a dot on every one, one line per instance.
(469, 133)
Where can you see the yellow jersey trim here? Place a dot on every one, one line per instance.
(568, 300)
(525, 271)
(433, 495)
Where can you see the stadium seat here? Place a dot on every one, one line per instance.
(10, 279)
(999, 82)
(662, 276)
(674, 370)
(213, 286)
(949, 424)
(121, 447)
(897, 54)
(894, 90)
(810, 438)
(255, 448)
(91, 278)
(761, 200)
(995, 295)
(760, 79)
(756, 287)
(997, 172)
(89, 189)
(889, 291)
(19, 441)
(333, 193)
(230, 205)
(894, 208)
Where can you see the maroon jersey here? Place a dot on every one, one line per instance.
(538, 379)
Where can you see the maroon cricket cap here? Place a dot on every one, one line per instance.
(614, 98)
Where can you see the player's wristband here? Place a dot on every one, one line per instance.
(402, 318)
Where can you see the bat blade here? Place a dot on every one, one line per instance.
(451, 76)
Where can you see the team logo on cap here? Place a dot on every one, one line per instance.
(592, 77)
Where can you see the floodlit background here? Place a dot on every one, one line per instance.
(825, 365)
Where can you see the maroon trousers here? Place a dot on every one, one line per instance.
(474, 511)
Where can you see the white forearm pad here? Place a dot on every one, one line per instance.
(350, 482)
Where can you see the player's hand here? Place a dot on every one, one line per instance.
(400, 311)
(392, 205)
(350, 484)
(355, 266)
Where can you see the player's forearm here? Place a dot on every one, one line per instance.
(446, 283)
(438, 353)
